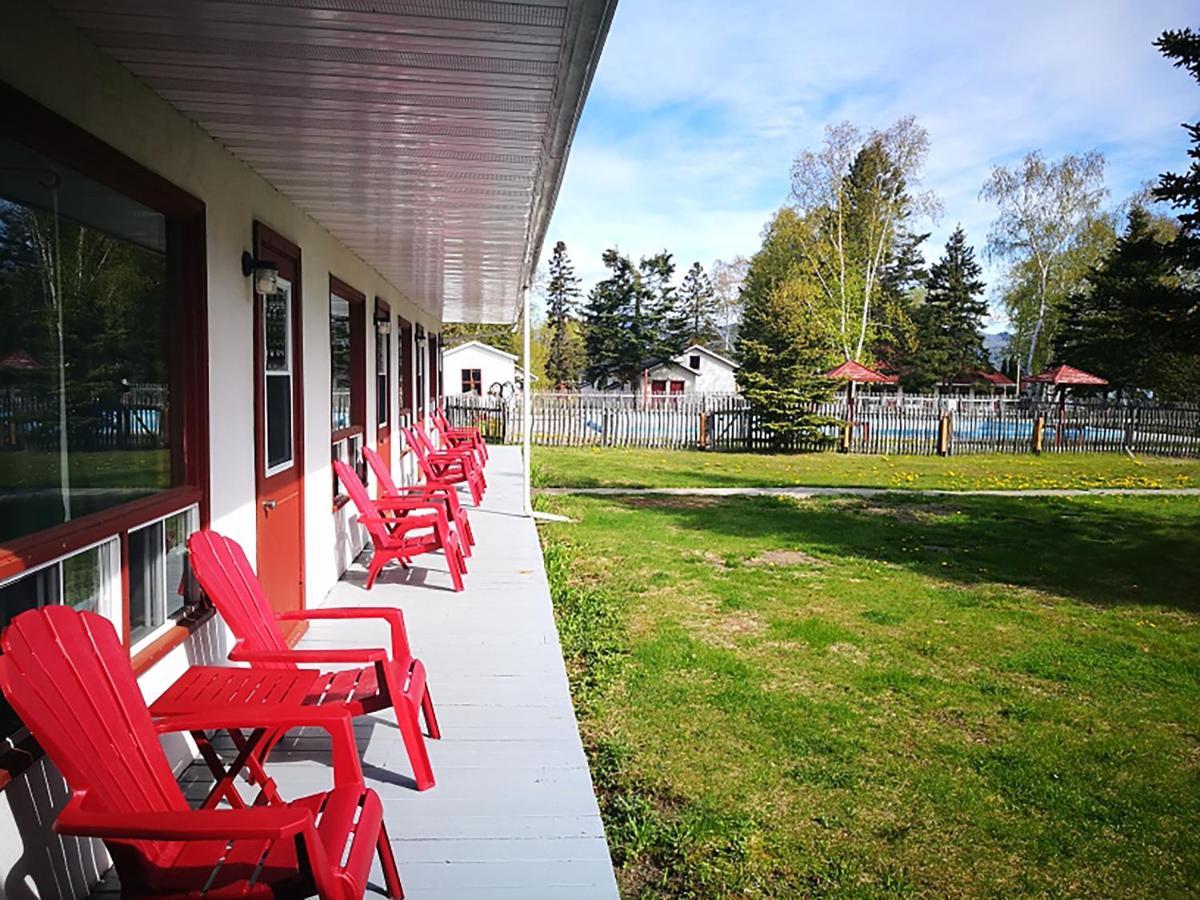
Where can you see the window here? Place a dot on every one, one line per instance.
(160, 581)
(422, 362)
(472, 381)
(88, 579)
(347, 378)
(103, 368)
(383, 366)
(406, 368)
(277, 371)
(676, 387)
(694, 361)
(85, 350)
(658, 386)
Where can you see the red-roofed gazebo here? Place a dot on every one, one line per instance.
(857, 373)
(1065, 376)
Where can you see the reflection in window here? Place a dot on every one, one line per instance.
(383, 350)
(84, 351)
(277, 339)
(339, 355)
(160, 580)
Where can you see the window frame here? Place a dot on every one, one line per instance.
(346, 443)
(27, 122)
(471, 381)
(383, 340)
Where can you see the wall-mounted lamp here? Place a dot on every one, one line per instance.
(383, 326)
(265, 272)
(422, 342)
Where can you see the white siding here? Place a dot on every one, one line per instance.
(102, 97)
(494, 368)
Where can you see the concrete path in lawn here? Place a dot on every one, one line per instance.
(802, 492)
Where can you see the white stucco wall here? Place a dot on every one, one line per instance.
(493, 367)
(104, 99)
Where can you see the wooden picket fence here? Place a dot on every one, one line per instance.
(911, 426)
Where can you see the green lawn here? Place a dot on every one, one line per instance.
(613, 467)
(902, 695)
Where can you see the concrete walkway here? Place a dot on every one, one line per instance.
(803, 492)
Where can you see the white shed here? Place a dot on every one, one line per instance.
(714, 373)
(478, 368)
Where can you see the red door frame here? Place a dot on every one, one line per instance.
(274, 553)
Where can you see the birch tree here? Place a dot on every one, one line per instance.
(858, 192)
(727, 279)
(1045, 210)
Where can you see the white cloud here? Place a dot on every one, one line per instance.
(698, 107)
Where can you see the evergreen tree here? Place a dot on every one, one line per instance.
(949, 323)
(609, 355)
(695, 321)
(1115, 325)
(653, 321)
(1183, 193)
(565, 357)
(781, 344)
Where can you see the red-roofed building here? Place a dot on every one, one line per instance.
(857, 373)
(1065, 376)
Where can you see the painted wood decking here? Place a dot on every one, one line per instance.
(512, 814)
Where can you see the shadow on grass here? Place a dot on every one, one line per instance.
(1143, 551)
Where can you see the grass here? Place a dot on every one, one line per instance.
(895, 696)
(617, 467)
(33, 469)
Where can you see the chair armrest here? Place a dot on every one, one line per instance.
(402, 503)
(393, 616)
(314, 655)
(257, 822)
(333, 718)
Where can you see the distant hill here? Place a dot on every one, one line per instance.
(996, 346)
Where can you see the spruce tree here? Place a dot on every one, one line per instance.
(652, 321)
(1183, 193)
(1115, 324)
(949, 324)
(780, 344)
(564, 359)
(695, 321)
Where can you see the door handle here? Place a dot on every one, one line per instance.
(269, 505)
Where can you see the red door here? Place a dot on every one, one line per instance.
(383, 381)
(279, 426)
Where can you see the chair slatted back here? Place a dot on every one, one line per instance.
(225, 574)
(379, 467)
(68, 677)
(418, 449)
(363, 503)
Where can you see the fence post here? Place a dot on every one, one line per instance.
(1039, 425)
(1129, 428)
(943, 444)
(703, 431)
(845, 444)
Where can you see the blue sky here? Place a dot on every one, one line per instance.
(699, 106)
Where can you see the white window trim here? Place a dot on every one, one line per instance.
(170, 622)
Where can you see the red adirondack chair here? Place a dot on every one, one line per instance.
(446, 467)
(395, 681)
(460, 437)
(401, 537)
(68, 677)
(442, 494)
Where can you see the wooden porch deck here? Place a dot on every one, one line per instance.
(513, 813)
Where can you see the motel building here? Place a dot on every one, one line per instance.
(230, 232)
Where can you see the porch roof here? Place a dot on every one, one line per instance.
(429, 136)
